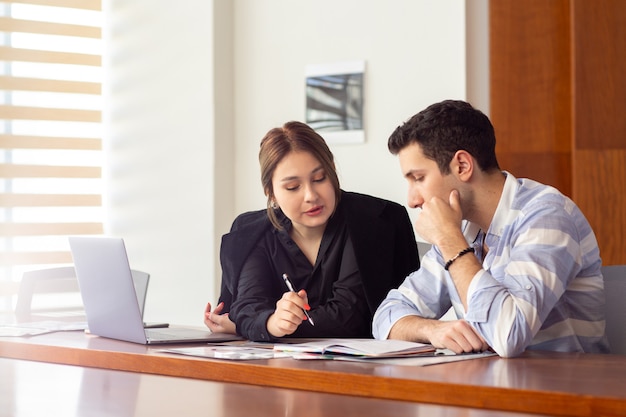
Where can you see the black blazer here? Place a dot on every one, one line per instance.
(381, 232)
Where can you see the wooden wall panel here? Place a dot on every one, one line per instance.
(548, 167)
(599, 109)
(599, 68)
(530, 88)
(601, 195)
(558, 103)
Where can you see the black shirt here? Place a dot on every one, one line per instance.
(377, 236)
(334, 286)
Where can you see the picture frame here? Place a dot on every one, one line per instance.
(335, 101)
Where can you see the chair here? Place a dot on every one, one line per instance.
(615, 294)
(422, 248)
(62, 282)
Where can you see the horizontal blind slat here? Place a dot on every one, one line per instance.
(44, 113)
(49, 229)
(48, 142)
(72, 4)
(35, 258)
(8, 24)
(50, 200)
(48, 171)
(54, 86)
(77, 30)
(50, 57)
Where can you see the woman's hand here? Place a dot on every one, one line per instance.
(288, 314)
(217, 322)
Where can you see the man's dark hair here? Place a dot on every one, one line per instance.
(444, 128)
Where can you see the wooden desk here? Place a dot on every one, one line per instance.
(543, 383)
(37, 389)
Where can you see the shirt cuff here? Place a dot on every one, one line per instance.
(477, 308)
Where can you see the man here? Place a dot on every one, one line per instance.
(516, 259)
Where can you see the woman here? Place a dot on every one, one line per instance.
(341, 251)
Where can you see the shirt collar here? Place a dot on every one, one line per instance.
(504, 214)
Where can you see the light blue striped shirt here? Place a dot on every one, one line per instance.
(540, 286)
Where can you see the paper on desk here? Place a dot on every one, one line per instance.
(237, 353)
(39, 327)
(440, 356)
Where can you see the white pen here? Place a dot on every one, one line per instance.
(288, 283)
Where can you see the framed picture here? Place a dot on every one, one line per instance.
(334, 101)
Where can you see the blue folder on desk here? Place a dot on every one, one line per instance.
(106, 286)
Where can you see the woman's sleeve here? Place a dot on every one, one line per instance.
(256, 296)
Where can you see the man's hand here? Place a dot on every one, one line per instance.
(457, 335)
(440, 224)
(440, 220)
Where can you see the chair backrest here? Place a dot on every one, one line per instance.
(141, 280)
(45, 282)
(615, 294)
(422, 248)
(62, 280)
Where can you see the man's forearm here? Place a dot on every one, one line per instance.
(411, 328)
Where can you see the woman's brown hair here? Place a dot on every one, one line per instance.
(292, 137)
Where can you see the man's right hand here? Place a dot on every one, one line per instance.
(456, 335)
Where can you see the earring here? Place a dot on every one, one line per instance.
(274, 205)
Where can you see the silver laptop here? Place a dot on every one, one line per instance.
(111, 305)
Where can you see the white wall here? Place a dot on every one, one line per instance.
(414, 53)
(160, 147)
(188, 102)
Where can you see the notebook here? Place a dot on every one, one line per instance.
(111, 305)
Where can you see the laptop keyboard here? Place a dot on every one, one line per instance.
(179, 334)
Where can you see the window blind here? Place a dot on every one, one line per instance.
(50, 130)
